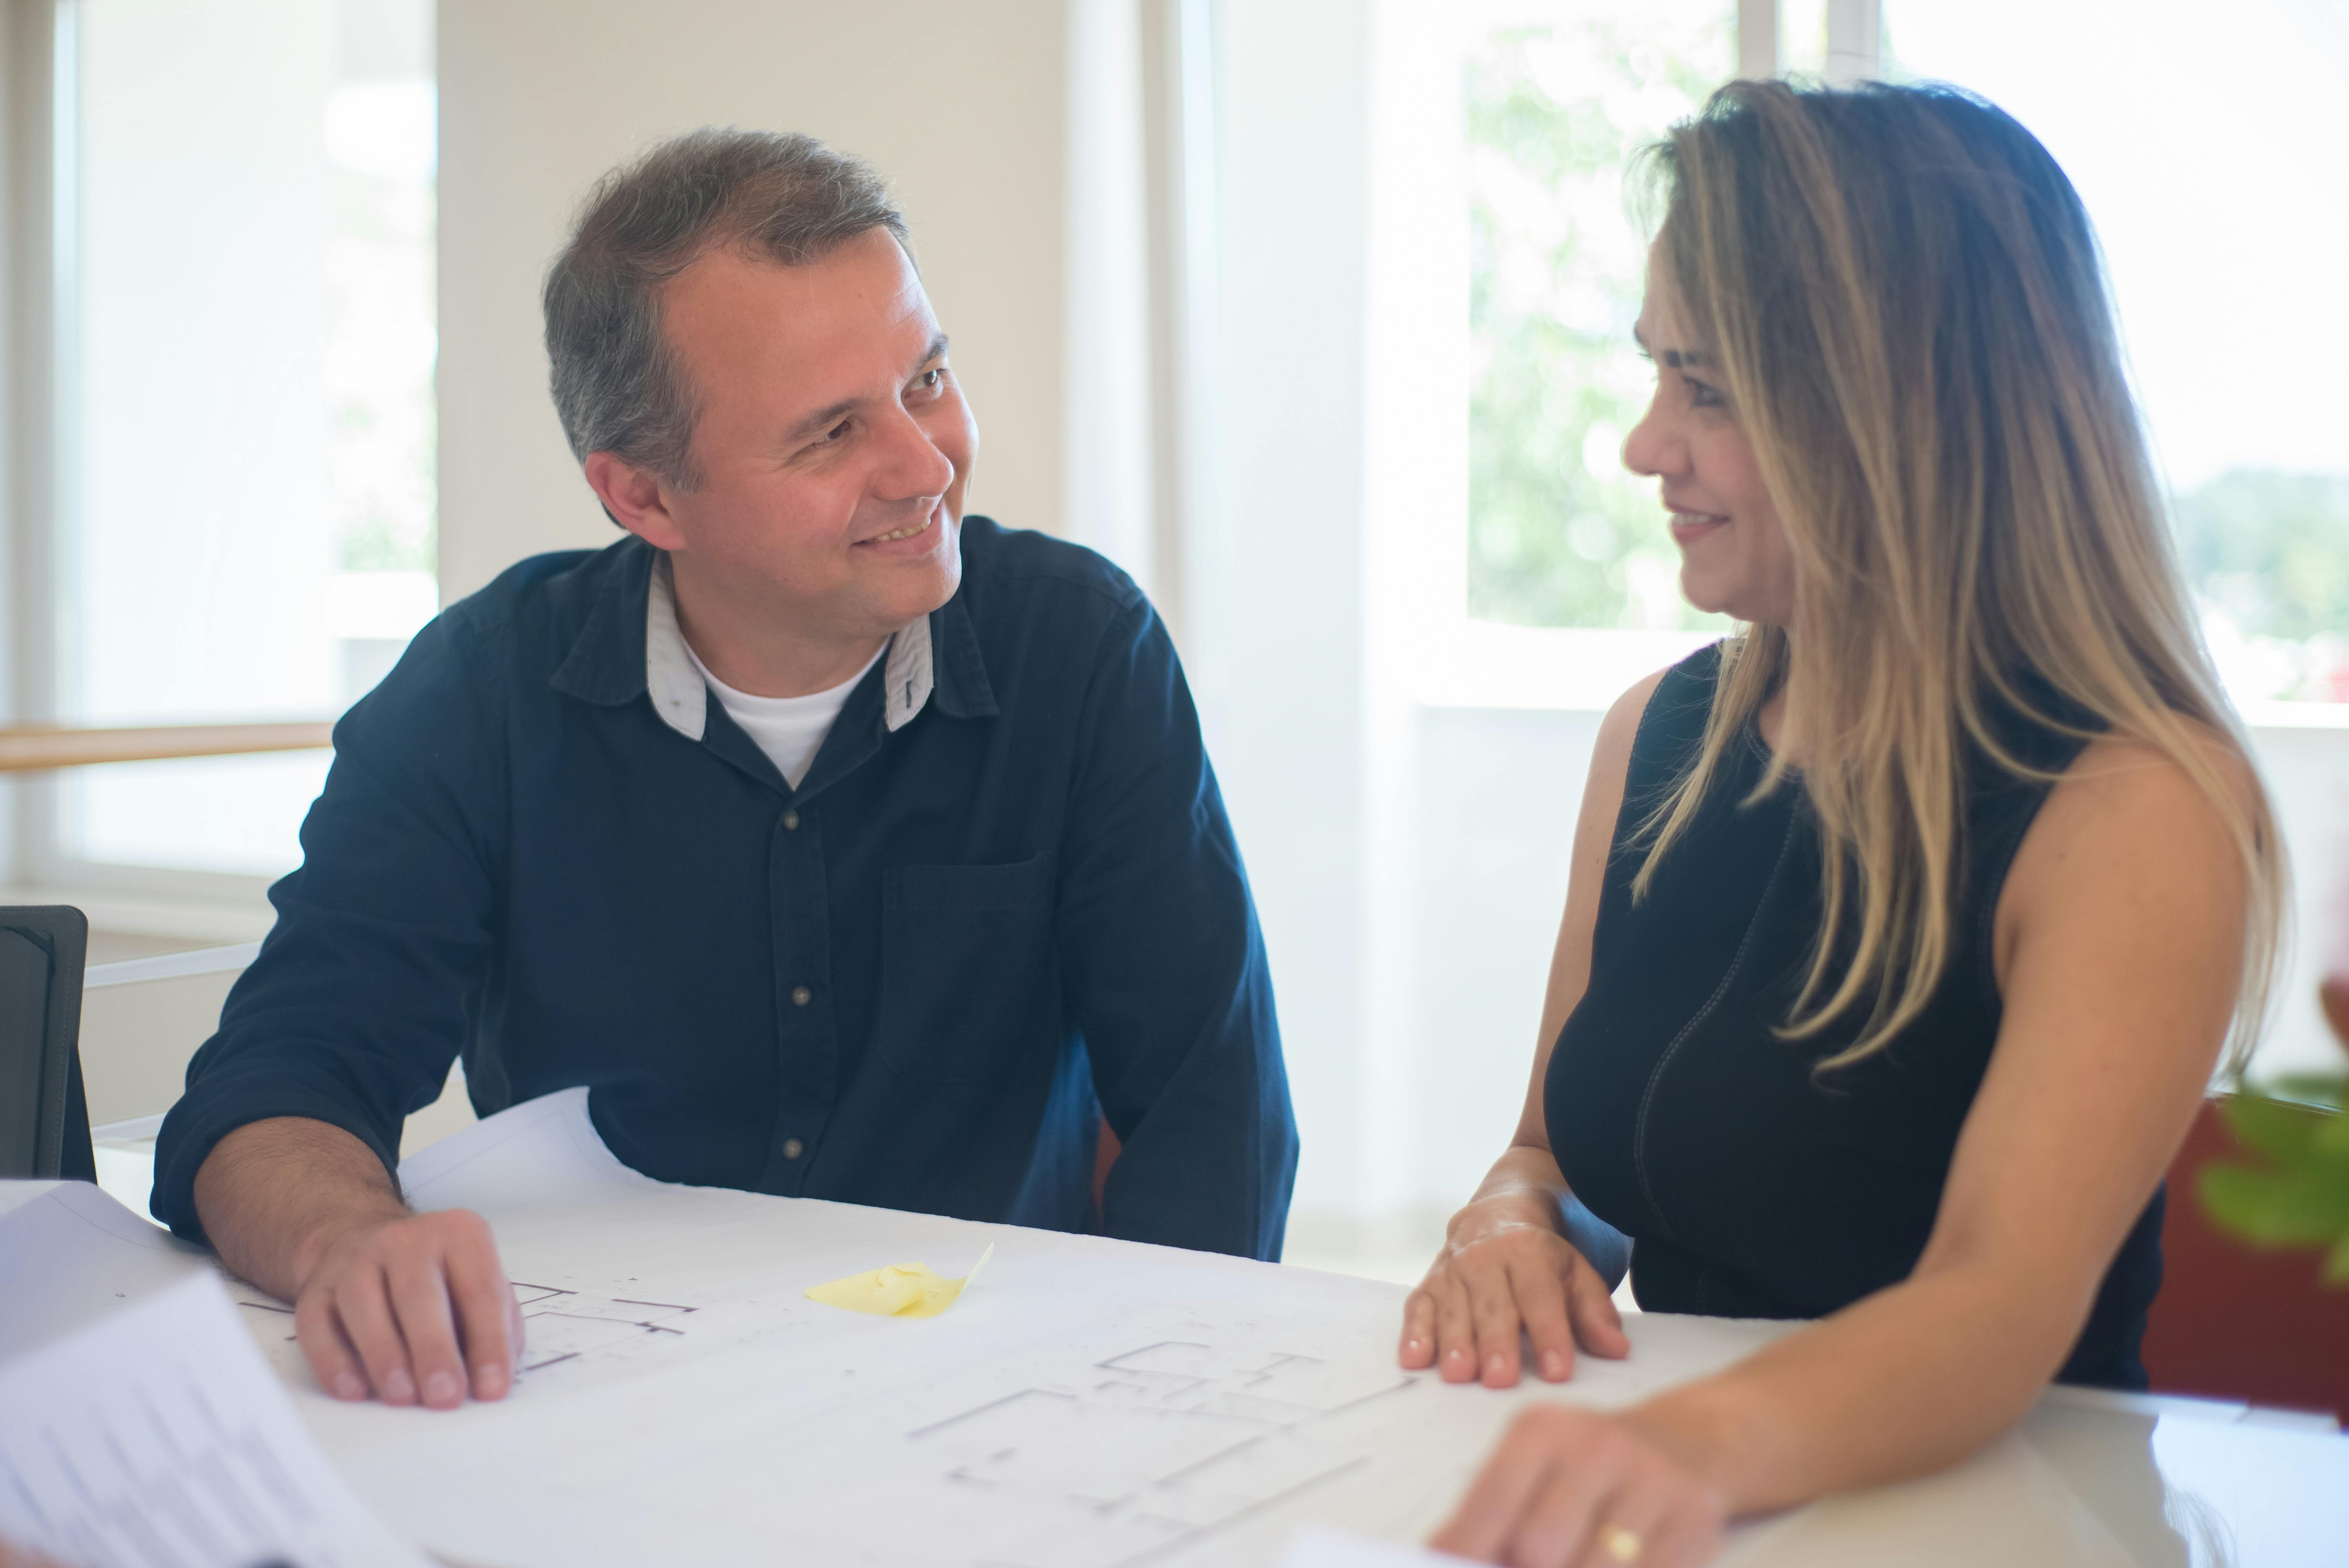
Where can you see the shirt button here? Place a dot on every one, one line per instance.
(793, 1149)
(802, 996)
(791, 822)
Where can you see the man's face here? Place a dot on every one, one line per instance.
(831, 445)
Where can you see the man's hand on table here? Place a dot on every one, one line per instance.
(1506, 1271)
(412, 1308)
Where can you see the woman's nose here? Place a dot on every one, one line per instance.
(1654, 450)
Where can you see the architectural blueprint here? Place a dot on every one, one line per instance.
(1088, 1403)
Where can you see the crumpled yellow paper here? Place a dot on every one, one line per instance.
(901, 1290)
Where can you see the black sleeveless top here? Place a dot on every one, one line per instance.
(1750, 1187)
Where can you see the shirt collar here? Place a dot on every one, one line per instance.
(937, 656)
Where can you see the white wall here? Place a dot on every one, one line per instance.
(1275, 571)
(961, 105)
(1409, 861)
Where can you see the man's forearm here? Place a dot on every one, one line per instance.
(272, 1193)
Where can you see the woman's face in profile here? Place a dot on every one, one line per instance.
(1733, 555)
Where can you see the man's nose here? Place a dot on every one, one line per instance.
(910, 465)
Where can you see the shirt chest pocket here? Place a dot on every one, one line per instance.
(968, 979)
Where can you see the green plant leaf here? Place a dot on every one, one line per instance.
(2279, 1129)
(2336, 1263)
(2239, 1198)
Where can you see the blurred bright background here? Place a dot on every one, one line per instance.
(1314, 313)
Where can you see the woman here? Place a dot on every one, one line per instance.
(1905, 928)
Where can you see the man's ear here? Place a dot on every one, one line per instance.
(634, 498)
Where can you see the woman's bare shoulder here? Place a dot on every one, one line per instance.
(2130, 808)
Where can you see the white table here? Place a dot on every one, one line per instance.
(1092, 1402)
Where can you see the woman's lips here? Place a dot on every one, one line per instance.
(1687, 527)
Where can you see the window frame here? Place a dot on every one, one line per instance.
(1417, 336)
(39, 71)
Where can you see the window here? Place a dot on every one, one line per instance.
(1559, 533)
(242, 523)
(2231, 318)
(2209, 147)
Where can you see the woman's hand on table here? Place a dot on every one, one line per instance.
(1573, 1486)
(1504, 1271)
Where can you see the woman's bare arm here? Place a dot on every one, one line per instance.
(1505, 1268)
(2120, 943)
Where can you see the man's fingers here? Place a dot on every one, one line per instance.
(1488, 1516)
(332, 1360)
(1541, 1301)
(420, 1298)
(486, 1312)
(1591, 1308)
(364, 1311)
(1494, 1305)
(1418, 1347)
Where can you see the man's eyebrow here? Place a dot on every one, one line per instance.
(830, 414)
(824, 418)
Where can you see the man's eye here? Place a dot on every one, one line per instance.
(928, 381)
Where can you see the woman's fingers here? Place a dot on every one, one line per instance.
(1688, 1536)
(1487, 1520)
(1591, 1308)
(1626, 1526)
(1542, 1304)
(1469, 1317)
(1493, 1305)
(1418, 1347)
(1561, 1524)
(1456, 1329)
(1573, 1489)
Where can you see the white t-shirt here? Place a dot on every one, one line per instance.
(790, 730)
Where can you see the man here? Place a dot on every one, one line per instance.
(844, 845)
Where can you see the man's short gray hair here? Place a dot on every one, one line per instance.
(789, 199)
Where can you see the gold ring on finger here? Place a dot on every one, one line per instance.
(1622, 1544)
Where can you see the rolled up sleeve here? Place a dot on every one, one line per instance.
(1165, 967)
(357, 1002)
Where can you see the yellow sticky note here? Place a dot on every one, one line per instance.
(901, 1290)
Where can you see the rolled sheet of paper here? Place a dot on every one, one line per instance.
(901, 1290)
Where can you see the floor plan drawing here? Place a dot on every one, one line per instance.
(561, 1326)
(1149, 1451)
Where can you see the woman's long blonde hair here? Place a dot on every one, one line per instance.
(1906, 301)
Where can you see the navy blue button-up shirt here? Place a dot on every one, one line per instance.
(919, 981)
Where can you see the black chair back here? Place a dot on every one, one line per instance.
(43, 1117)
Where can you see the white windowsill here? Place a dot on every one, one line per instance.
(200, 921)
(1582, 669)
